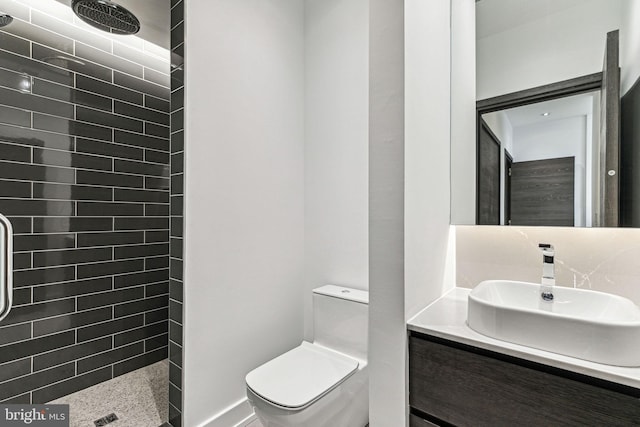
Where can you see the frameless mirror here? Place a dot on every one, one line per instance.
(554, 144)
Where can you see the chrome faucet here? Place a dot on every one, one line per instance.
(548, 272)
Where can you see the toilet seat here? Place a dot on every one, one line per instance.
(299, 377)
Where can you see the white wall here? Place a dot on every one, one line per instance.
(427, 150)
(243, 195)
(463, 112)
(629, 45)
(246, 185)
(554, 138)
(560, 46)
(336, 145)
(387, 327)
(409, 151)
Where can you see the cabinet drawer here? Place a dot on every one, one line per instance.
(468, 389)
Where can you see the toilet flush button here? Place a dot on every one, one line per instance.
(344, 291)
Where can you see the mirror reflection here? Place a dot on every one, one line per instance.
(540, 163)
(566, 158)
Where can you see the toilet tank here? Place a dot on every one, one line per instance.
(341, 319)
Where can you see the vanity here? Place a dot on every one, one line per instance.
(463, 378)
(515, 169)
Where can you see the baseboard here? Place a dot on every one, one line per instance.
(244, 423)
(238, 415)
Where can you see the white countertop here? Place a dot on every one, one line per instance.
(447, 318)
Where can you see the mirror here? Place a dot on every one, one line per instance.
(543, 150)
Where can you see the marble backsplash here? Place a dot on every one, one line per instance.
(601, 259)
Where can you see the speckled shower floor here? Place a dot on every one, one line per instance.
(139, 399)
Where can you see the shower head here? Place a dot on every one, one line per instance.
(106, 16)
(5, 19)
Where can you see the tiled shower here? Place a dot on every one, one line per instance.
(85, 179)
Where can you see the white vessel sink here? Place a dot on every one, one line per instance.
(588, 325)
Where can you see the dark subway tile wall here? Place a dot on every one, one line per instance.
(84, 179)
(176, 205)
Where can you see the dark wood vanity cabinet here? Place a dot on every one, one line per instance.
(459, 385)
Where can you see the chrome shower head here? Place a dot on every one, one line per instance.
(106, 16)
(5, 19)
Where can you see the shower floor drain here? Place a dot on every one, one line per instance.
(105, 420)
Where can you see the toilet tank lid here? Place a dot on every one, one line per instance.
(343, 292)
(299, 377)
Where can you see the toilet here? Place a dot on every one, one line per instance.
(323, 383)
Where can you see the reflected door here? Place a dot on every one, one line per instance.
(542, 192)
(610, 133)
(488, 203)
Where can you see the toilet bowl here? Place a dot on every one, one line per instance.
(323, 383)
